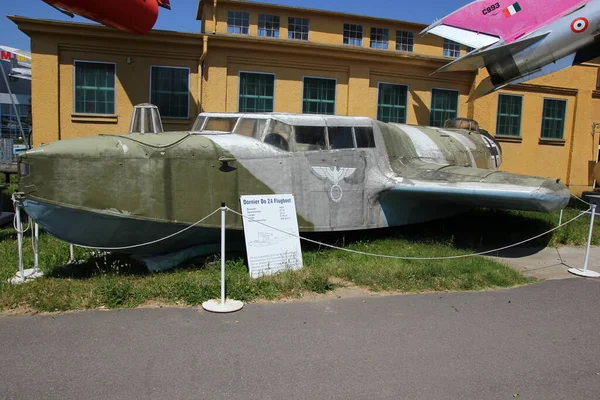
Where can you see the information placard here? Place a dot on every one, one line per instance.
(271, 250)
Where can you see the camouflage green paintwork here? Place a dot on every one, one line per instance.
(140, 186)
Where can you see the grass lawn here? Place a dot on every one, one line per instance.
(113, 281)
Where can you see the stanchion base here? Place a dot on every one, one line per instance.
(217, 307)
(586, 273)
(28, 275)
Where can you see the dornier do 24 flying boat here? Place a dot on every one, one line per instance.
(133, 16)
(346, 173)
(519, 40)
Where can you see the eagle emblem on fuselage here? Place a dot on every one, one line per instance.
(335, 175)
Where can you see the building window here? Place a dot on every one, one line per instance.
(451, 48)
(509, 115)
(380, 38)
(405, 41)
(268, 25)
(391, 103)
(298, 28)
(94, 87)
(238, 22)
(553, 119)
(9, 124)
(319, 96)
(257, 92)
(444, 105)
(170, 91)
(353, 34)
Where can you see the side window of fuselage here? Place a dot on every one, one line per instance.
(340, 137)
(364, 136)
(310, 138)
(220, 124)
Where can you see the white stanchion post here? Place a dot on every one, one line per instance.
(560, 218)
(586, 272)
(36, 249)
(20, 239)
(223, 305)
(71, 253)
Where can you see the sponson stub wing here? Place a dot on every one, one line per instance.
(446, 186)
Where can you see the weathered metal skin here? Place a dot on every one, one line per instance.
(119, 190)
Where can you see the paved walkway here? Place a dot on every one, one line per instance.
(534, 342)
(549, 263)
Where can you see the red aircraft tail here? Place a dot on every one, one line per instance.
(164, 3)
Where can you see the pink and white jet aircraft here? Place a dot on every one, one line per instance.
(519, 40)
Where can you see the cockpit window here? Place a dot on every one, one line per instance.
(278, 135)
(220, 124)
(364, 136)
(340, 137)
(310, 138)
(198, 124)
(251, 127)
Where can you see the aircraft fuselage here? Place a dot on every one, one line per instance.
(570, 39)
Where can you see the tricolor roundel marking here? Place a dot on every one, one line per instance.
(579, 25)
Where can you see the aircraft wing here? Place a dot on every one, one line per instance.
(479, 58)
(465, 186)
(484, 22)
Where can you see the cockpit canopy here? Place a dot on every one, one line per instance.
(292, 132)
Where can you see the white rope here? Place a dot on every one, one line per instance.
(409, 258)
(581, 200)
(152, 242)
(14, 200)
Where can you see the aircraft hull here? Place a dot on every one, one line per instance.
(114, 191)
(100, 230)
(134, 16)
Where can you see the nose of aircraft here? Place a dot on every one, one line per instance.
(123, 173)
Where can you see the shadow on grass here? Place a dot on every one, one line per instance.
(472, 231)
(477, 230)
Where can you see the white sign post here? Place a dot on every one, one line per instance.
(271, 250)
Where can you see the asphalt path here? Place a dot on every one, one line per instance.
(535, 342)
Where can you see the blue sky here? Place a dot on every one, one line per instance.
(183, 13)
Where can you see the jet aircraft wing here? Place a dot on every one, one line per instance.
(446, 186)
(484, 22)
(479, 58)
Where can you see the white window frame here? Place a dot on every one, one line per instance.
(451, 42)
(413, 40)
(258, 73)
(320, 77)
(395, 84)
(188, 93)
(75, 86)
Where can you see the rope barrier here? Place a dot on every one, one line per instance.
(581, 200)
(409, 258)
(154, 241)
(14, 200)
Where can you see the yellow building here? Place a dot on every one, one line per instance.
(252, 56)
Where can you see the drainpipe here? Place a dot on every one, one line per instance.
(201, 70)
(214, 16)
(572, 149)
